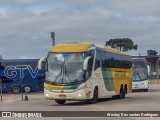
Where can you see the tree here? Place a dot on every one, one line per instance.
(124, 44)
(152, 52)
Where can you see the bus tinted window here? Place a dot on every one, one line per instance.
(97, 60)
(113, 60)
(90, 62)
(6, 80)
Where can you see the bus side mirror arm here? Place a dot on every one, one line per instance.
(85, 63)
(40, 62)
(148, 69)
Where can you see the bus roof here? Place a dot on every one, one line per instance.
(18, 60)
(82, 47)
(75, 47)
(109, 49)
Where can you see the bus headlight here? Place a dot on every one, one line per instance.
(46, 95)
(79, 95)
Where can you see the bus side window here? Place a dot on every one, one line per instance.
(1, 66)
(90, 66)
(90, 62)
(97, 60)
(106, 62)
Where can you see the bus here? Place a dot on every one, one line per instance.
(140, 76)
(21, 75)
(84, 71)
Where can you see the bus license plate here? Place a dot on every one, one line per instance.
(62, 96)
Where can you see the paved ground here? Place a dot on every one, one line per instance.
(137, 101)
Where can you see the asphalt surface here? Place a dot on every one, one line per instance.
(136, 101)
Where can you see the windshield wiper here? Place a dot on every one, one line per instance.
(137, 74)
(50, 82)
(76, 81)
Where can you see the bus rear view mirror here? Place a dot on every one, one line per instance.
(40, 62)
(148, 69)
(85, 63)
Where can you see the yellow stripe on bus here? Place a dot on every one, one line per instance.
(53, 87)
(77, 47)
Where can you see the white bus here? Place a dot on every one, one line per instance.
(82, 71)
(140, 75)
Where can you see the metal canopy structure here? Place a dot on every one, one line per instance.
(1, 57)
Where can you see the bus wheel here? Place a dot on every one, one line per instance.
(124, 93)
(95, 97)
(60, 101)
(121, 94)
(16, 89)
(27, 89)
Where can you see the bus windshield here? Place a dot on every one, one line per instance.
(65, 68)
(140, 71)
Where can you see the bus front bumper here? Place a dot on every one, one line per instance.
(140, 85)
(74, 95)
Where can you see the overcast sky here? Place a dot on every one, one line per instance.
(25, 25)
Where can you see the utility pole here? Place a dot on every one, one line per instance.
(53, 38)
(1, 58)
(158, 66)
(1, 87)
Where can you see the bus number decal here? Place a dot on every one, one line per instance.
(120, 73)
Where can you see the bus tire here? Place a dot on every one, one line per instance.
(95, 97)
(124, 93)
(27, 89)
(16, 89)
(121, 94)
(61, 102)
